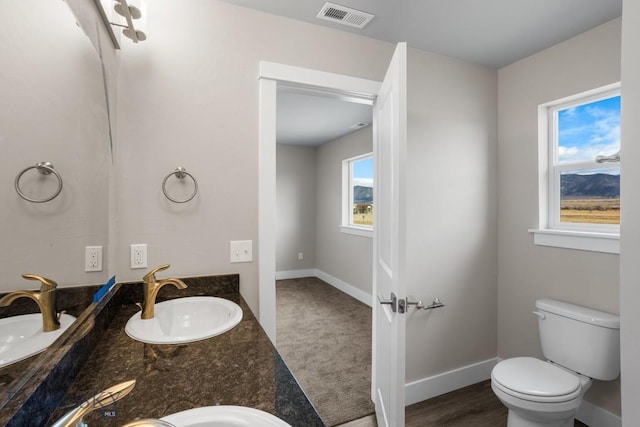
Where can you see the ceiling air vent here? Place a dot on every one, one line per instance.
(344, 15)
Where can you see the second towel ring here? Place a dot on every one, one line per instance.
(180, 173)
(45, 168)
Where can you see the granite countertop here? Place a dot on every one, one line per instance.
(239, 367)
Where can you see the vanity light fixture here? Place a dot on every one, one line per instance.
(130, 11)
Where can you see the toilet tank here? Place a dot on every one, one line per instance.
(582, 339)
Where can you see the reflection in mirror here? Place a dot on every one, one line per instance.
(52, 109)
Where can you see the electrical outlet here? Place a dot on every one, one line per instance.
(240, 251)
(300, 255)
(93, 258)
(139, 256)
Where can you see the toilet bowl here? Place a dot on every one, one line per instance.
(538, 393)
(541, 393)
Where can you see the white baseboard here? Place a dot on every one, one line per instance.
(348, 289)
(426, 388)
(296, 274)
(595, 416)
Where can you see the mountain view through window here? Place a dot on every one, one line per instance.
(589, 191)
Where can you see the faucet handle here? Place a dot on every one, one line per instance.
(45, 284)
(151, 276)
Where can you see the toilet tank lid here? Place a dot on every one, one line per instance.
(579, 313)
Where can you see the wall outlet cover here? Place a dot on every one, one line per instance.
(139, 256)
(93, 258)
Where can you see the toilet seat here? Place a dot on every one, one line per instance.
(534, 380)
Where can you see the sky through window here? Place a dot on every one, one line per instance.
(589, 130)
(363, 172)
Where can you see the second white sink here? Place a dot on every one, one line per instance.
(224, 416)
(185, 320)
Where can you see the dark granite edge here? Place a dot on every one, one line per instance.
(282, 365)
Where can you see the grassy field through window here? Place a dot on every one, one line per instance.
(363, 214)
(363, 219)
(591, 211)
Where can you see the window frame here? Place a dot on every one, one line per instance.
(347, 225)
(552, 232)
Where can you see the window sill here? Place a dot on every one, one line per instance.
(357, 231)
(585, 241)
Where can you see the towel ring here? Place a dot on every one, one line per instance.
(45, 168)
(180, 173)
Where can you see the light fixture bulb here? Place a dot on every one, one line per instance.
(136, 36)
(122, 11)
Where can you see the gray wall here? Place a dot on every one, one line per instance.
(451, 217)
(295, 207)
(309, 211)
(528, 272)
(630, 227)
(343, 256)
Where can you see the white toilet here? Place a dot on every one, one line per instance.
(581, 344)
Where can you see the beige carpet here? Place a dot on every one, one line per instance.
(324, 336)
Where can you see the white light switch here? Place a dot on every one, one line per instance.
(240, 251)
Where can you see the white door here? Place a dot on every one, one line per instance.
(389, 146)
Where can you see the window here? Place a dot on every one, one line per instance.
(580, 163)
(357, 195)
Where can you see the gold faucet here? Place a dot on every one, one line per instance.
(151, 288)
(45, 298)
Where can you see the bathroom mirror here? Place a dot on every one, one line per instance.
(52, 109)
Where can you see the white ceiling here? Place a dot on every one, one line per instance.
(311, 120)
(493, 33)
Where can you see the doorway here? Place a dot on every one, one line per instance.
(271, 75)
(324, 334)
(310, 82)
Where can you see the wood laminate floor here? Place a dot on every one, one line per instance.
(473, 406)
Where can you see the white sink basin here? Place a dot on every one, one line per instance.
(184, 320)
(22, 336)
(224, 416)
